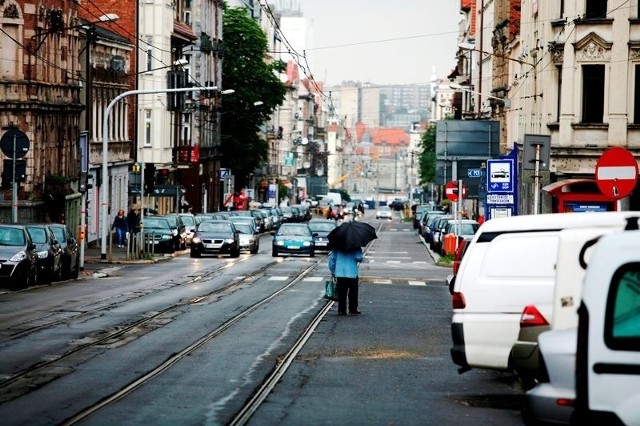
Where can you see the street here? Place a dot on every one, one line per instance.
(190, 341)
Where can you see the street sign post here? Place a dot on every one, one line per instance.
(451, 191)
(616, 172)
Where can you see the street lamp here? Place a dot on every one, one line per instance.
(105, 152)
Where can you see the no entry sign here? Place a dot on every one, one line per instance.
(616, 172)
(451, 191)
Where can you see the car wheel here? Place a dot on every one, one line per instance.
(274, 253)
(195, 254)
(235, 252)
(254, 251)
(312, 253)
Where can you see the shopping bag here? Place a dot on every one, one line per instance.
(330, 289)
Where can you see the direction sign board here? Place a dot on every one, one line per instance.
(500, 175)
(451, 191)
(616, 172)
(474, 173)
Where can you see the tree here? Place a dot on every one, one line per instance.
(428, 156)
(254, 80)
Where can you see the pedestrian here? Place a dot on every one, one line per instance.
(121, 227)
(344, 266)
(133, 220)
(330, 213)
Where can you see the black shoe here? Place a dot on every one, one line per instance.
(354, 312)
(342, 313)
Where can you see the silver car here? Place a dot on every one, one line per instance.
(552, 399)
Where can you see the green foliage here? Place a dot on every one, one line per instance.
(245, 70)
(428, 155)
(343, 193)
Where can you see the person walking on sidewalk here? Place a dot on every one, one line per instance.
(121, 227)
(344, 266)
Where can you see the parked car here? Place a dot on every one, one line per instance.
(159, 234)
(257, 218)
(287, 214)
(461, 228)
(494, 284)
(293, 238)
(268, 219)
(48, 250)
(384, 212)
(70, 250)
(176, 223)
(277, 217)
(18, 257)
(608, 348)
(427, 219)
(249, 239)
(190, 222)
(216, 237)
(418, 210)
(320, 228)
(246, 220)
(436, 231)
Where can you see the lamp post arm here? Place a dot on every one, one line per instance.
(105, 153)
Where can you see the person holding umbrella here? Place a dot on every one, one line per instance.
(346, 242)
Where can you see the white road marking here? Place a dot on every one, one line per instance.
(382, 281)
(278, 278)
(417, 283)
(314, 279)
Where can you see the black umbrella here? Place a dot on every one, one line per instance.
(351, 236)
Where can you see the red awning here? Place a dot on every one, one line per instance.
(565, 185)
(183, 30)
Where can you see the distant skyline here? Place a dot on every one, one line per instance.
(379, 41)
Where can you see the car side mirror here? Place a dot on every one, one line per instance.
(31, 246)
(272, 233)
(315, 234)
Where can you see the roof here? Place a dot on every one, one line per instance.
(183, 30)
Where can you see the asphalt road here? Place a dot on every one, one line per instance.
(390, 365)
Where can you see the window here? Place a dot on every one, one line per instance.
(149, 54)
(621, 330)
(147, 127)
(596, 9)
(636, 95)
(592, 93)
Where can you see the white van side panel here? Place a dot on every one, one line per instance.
(570, 275)
(515, 270)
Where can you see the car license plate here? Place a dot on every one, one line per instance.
(212, 246)
(320, 243)
(293, 247)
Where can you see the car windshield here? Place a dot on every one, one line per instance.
(173, 221)
(156, 223)
(11, 237)
(321, 226)
(38, 235)
(189, 220)
(244, 228)
(294, 230)
(61, 236)
(214, 227)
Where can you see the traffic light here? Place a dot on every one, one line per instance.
(149, 178)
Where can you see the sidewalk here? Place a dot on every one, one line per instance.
(93, 261)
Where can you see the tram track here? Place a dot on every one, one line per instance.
(23, 381)
(176, 357)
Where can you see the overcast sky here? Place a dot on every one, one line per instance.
(381, 41)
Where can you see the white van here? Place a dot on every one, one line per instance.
(510, 263)
(608, 352)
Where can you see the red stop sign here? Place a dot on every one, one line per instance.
(451, 191)
(616, 172)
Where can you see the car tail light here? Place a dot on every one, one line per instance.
(531, 317)
(458, 300)
(565, 402)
